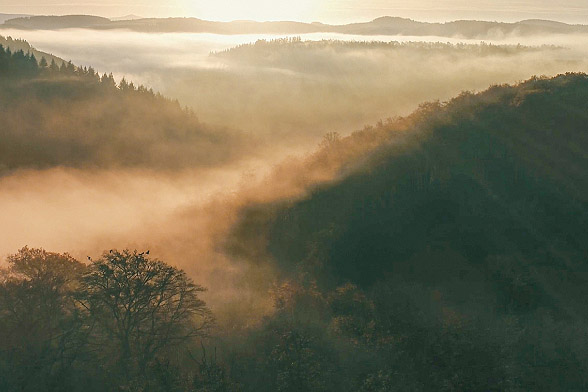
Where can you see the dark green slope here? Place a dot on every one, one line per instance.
(453, 258)
(499, 177)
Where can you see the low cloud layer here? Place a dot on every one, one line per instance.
(288, 98)
(304, 93)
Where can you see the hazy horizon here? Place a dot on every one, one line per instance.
(326, 11)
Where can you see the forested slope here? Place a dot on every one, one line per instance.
(16, 45)
(69, 116)
(455, 257)
(500, 172)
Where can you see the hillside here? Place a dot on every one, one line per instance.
(19, 44)
(56, 22)
(69, 116)
(299, 55)
(386, 25)
(5, 17)
(494, 173)
(456, 250)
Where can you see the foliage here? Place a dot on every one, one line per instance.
(448, 255)
(119, 322)
(454, 253)
(62, 115)
(142, 306)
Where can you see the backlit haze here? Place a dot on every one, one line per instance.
(285, 102)
(327, 11)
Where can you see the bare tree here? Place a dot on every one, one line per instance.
(142, 306)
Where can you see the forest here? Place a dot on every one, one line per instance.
(443, 250)
(63, 115)
(336, 85)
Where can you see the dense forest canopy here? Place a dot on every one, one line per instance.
(316, 56)
(280, 46)
(458, 247)
(63, 115)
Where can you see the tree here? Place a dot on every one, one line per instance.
(53, 66)
(40, 327)
(123, 84)
(141, 307)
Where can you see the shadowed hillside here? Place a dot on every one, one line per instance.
(69, 116)
(500, 172)
(454, 257)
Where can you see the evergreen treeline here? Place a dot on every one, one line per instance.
(63, 115)
(16, 44)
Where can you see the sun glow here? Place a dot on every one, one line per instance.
(259, 10)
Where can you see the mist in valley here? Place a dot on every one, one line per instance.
(304, 91)
(265, 126)
(286, 93)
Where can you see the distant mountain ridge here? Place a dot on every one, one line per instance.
(126, 17)
(5, 17)
(386, 25)
(56, 22)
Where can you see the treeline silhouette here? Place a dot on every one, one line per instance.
(63, 115)
(16, 44)
(452, 257)
(338, 85)
(116, 323)
(266, 48)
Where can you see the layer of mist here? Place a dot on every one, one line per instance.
(305, 90)
(289, 93)
(451, 234)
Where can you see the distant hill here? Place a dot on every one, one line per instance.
(66, 116)
(279, 52)
(381, 26)
(462, 28)
(126, 17)
(5, 17)
(56, 22)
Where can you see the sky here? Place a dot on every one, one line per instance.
(328, 11)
